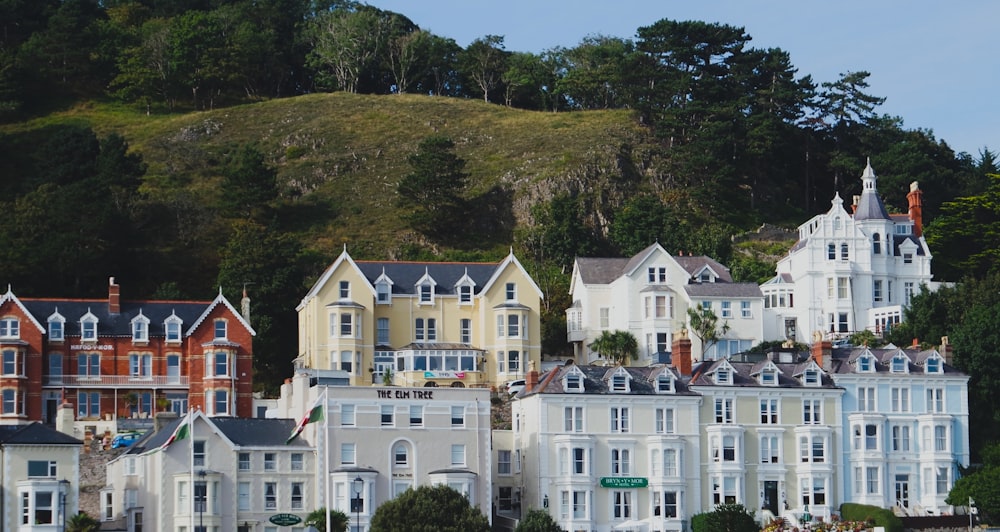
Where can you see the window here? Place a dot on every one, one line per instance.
(724, 490)
(57, 329)
(876, 244)
(418, 326)
(619, 419)
(382, 292)
(270, 495)
(664, 421)
(503, 462)
(270, 462)
(724, 410)
(88, 404)
(907, 292)
(573, 503)
(579, 461)
(901, 438)
(296, 501)
(457, 416)
(621, 463)
(243, 496)
(940, 438)
(899, 364)
(907, 258)
(656, 274)
(347, 415)
(843, 251)
(900, 399)
(664, 384)
(465, 330)
(866, 399)
(745, 309)
(37, 508)
(933, 365)
(769, 377)
(140, 329)
(605, 316)
(573, 418)
(573, 383)
(812, 411)
(831, 251)
(513, 361)
(42, 468)
(619, 382)
(244, 461)
(941, 481)
(345, 289)
(382, 331)
(416, 416)
(623, 504)
(296, 462)
(871, 477)
(871, 437)
(172, 329)
(723, 376)
(510, 291)
(458, 454)
(140, 365)
(513, 326)
(426, 293)
(13, 362)
(769, 450)
(221, 403)
(400, 456)
(220, 330)
(386, 411)
(865, 364)
(465, 293)
(877, 291)
(88, 328)
(842, 287)
(935, 400)
(769, 411)
(665, 504)
(671, 461)
(198, 450)
(727, 309)
(348, 454)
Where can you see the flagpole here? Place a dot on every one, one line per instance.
(326, 455)
(191, 467)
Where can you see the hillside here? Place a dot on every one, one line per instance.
(340, 156)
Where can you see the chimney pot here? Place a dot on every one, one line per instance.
(530, 381)
(680, 356)
(114, 297)
(916, 208)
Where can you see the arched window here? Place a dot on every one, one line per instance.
(876, 244)
(399, 455)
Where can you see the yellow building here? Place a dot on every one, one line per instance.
(422, 323)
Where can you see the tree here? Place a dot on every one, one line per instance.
(966, 236)
(705, 325)
(433, 190)
(249, 185)
(82, 522)
(596, 73)
(617, 347)
(643, 220)
(339, 521)
(408, 59)
(484, 62)
(537, 521)
(429, 509)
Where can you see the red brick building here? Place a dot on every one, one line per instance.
(116, 359)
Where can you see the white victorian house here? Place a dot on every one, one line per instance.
(649, 294)
(849, 271)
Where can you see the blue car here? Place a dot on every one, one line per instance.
(124, 439)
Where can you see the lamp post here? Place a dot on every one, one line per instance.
(358, 485)
(63, 485)
(201, 494)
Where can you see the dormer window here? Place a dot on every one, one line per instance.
(573, 382)
(769, 377)
(383, 293)
(810, 377)
(656, 274)
(426, 293)
(899, 364)
(465, 294)
(933, 365)
(619, 381)
(865, 364)
(723, 375)
(88, 328)
(220, 330)
(10, 328)
(172, 328)
(510, 292)
(705, 277)
(140, 328)
(57, 328)
(664, 384)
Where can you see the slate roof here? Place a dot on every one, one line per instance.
(34, 434)
(600, 270)
(604, 270)
(723, 290)
(844, 360)
(405, 275)
(694, 264)
(115, 324)
(245, 432)
(743, 374)
(596, 378)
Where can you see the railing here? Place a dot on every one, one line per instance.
(115, 381)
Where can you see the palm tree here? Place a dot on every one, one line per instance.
(317, 518)
(616, 346)
(82, 522)
(705, 325)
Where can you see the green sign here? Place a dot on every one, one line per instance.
(285, 519)
(624, 482)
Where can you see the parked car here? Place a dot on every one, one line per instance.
(124, 439)
(514, 387)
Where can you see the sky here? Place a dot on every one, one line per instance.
(936, 62)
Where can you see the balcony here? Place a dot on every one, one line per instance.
(116, 381)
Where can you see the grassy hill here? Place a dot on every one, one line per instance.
(340, 156)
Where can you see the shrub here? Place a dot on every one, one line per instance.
(874, 514)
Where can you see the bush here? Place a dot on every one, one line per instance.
(879, 516)
(725, 518)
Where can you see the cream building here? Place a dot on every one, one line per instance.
(649, 295)
(425, 323)
(381, 441)
(40, 481)
(229, 474)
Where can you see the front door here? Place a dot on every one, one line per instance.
(903, 491)
(771, 496)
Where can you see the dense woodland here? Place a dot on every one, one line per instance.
(122, 152)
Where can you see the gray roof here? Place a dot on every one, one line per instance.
(244, 432)
(743, 374)
(694, 264)
(870, 207)
(405, 275)
(34, 434)
(115, 324)
(844, 360)
(600, 270)
(723, 290)
(596, 380)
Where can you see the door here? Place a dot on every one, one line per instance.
(903, 491)
(771, 496)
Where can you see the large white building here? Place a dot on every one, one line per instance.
(649, 294)
(849, 271)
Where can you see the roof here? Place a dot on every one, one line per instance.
(596, 380)
(723, 290)
(844, 360)
(743, 374)
(870, 206)
(694, 264)
(120, 324)
(243, 432)
(446, 275)
(604, 270)
(34, 434)
(600, 270)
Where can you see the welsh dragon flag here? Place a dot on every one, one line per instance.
(182, 431)
(315, 413)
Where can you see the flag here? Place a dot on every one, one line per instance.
(182, 431)
(314, 414)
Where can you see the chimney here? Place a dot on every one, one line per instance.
(916, 201)
(245, 306)
(114, 297)
(946, 350)
(916, 343)
(64, 419)
(531, 381)
(854, 206)
(162, 419)
(822, 351)
(680, 358)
